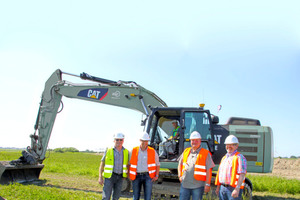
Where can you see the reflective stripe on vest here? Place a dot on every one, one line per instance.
(109, 163)
(150, 160)
(200, 165)
(234, 175)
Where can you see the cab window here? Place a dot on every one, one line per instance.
(197, 121)
(162, 127)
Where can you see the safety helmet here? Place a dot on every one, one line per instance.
(231, 139)
(119, 136)
(145, 137)
(195, 135)
(174, 121)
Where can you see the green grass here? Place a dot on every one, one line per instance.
(7, 155)
(76, 163)
(73, 163)
(19, 191)
(275, 184)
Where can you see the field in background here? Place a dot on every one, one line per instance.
(75, 176)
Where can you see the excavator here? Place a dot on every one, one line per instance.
(256, 141)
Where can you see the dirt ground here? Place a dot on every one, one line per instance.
(283, 167)
(288, 168)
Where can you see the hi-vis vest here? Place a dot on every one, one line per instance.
(234, 175)
(200, 165)
(151, 162)
(175, 131)
(109, 163)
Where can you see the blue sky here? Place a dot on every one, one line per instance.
(241, 55)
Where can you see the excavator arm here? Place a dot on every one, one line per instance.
(127, 94)
(123, 94)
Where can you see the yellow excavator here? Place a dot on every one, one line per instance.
(256, 141)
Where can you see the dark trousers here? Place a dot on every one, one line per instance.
(145, 181)
(112, 185)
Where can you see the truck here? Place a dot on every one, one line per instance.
(256, 141)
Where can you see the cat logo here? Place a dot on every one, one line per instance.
(94, 93)
(218, 139)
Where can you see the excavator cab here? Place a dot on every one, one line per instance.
(160, 130)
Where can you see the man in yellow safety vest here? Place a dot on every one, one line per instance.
(113, 168)
(169, 146)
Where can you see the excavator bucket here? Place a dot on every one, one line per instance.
(19, 173)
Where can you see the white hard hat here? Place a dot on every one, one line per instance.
(119, 136)
(175, 121)
(145, 137)
(195, 135)
(231, 139)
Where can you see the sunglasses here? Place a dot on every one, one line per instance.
(119, 139)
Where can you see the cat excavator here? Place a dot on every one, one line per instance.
(256, 141)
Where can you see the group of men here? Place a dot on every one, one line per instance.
(194, 169)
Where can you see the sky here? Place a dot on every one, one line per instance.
(238, 54)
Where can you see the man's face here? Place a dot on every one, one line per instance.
(144, 144)
(118, 142)
(174, 124)
(231, 147)
(195, 143)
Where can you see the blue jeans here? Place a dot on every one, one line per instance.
(225, 193)
(186, 193)
(145, 181)
(112, 185)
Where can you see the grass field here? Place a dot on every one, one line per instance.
(75, 175)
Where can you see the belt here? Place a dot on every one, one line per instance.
(117, 174)
(226, 185)
(142, 173)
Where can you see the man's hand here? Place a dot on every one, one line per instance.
(235, 192)
(100, 180)
(155, 178)
(180, 179)
(206, 189)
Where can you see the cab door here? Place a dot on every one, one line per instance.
(195, 120)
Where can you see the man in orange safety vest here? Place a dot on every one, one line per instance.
(195, 169)
(231, 174)
(144, 168)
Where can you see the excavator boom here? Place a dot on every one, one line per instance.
(127, 94)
